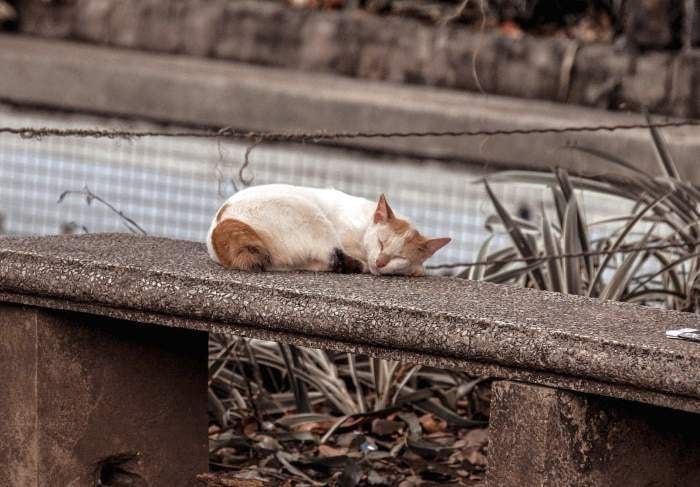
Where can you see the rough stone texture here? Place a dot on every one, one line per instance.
(79, 388)
(653, 24)
(178, 89)
(480, 369)
(577, 338)
(691, 23)
(647, 83)
(548, 437)
(380, 48)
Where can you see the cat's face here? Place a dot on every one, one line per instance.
(394, 246)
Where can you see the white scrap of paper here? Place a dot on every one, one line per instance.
(682, 333)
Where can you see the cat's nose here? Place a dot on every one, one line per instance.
(382, 261)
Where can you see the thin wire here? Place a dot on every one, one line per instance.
(320, 136)
(532, 260)
(258, 137)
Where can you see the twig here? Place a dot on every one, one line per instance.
(90, 196)
(246, 163)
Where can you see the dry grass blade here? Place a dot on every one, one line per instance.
(555, 273)
(664, 270)
(291, 361)
(476, 273)
(352, 366)
(567, 189)
(598, 185)
(217, 408)
(606, 156)
(507, 275)
(293, 420)
(621, 279)
(285, 459)
(664, 155)
(220, 361)
(572, 245)
(403, 383)
(618, 242)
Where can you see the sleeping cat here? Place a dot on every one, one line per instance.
(279, 227)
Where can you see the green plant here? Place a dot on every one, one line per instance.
(663, 209)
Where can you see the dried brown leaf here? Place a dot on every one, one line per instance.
(477, 437)
(319, 427)
(475, 457)
(431, 424)
(385, 427)
(331, 451)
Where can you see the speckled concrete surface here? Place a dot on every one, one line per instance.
(67, 402)
(552, 438)
(535, 332)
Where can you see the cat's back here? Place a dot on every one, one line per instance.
(327, 199)
(272, 192)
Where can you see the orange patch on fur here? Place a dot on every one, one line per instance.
(220, 213)
(414, 247)
(398, 225)
(239, 246)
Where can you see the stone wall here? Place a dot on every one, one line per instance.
(357, 44)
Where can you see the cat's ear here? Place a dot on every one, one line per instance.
(435, 244)
(383, 212)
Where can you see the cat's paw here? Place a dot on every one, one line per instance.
(344, 264)
(417, 272)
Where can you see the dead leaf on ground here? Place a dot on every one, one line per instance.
(385, 427)
(230, 480)
(375, 478)
(411, 481)
(475, 457)
(330, 451)
(319, 427)
(477, 437)
(250, 427)
(431, 424)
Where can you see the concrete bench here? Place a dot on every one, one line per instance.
(103, 349)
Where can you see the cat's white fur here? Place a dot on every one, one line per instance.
(302, 226)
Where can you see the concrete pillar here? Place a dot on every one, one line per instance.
(548, 437)
(77, 389)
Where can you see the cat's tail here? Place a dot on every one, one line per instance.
(238, 246)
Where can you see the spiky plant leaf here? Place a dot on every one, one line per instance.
(606, 156)
(623, 274)
(620, 239)
(663, 270)
(516, 235)
(664, 155)
(567, 189)
(476, 273)
(573, 266)
(554, 270)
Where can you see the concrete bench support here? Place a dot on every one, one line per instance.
(551, 437)
(78, 388)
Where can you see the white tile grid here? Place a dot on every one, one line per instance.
(169, 186)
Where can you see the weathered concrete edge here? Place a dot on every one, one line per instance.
(186, 90)
(160, 292)
(490, 371)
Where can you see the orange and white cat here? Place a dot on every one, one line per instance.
(279, 227)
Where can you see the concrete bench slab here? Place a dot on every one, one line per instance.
(95, 286)
(573, 342)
